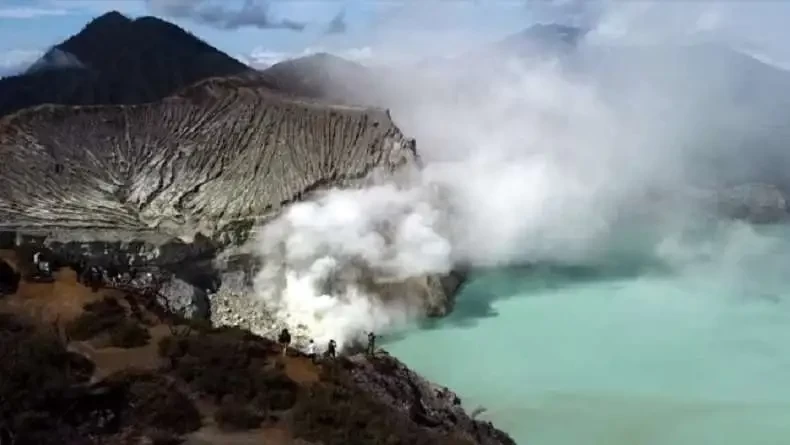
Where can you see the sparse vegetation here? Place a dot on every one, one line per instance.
(235, 416)
(156, 403)
(129, 335)
(47, 398)
(230, 363)
(338, 415)
(240, 379)
(108, 316)
(98, 317)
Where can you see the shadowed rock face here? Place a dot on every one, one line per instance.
(117, 60)
(426, 403)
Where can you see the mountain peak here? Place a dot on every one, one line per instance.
(117, 60)
(112, 18)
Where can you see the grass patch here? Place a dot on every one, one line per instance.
(129, 335)
(235, 416)
(110, 317)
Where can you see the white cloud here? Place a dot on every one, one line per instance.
(262, 58)
(16, 61)
(26, 12)
(129, 7)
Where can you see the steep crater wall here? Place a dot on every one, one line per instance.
(183, 180)
(188, 164)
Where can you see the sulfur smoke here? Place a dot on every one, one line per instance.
(325, 258)
(535, 160)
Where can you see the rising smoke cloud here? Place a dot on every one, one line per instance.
(536, 160)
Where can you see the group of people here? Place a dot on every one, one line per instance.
(88, 272)
(331, 350)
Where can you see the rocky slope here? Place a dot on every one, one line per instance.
(113, 367)
(325, 76)
(175, 181)
(174, 184)
(168, 166)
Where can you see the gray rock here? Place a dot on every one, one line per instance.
(432, 406)
(185, 299)
(214, 160)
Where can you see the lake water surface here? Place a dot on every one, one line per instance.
(694, 354)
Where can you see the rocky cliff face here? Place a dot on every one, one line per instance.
(215, 156)
(426, 403)
(171, 184)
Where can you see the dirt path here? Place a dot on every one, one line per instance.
(301, 370)
(60, 300)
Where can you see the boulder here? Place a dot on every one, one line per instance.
(432, 406)
(184, 299)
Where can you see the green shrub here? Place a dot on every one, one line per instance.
(230, 362)
(129, 335)
(157, 404)
(98, 317)
(235, 416)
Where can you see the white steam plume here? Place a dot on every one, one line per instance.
(541, 160)
(325, 258)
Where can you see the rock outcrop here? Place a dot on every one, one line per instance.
(426, 403)
(218, 155)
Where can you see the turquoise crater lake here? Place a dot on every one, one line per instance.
(693, 354)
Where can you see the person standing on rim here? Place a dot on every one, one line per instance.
(331, 350)
(284, 340)
(311, 350)
(371, 344)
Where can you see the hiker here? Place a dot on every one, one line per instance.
(331, 350)
(95, 278)
(80, 267)
(285, 340)
(311, 350)
(43, 268)
(371, 344)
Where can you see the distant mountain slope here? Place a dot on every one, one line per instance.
(324, 76)
(117, 60)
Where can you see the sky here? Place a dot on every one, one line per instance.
(261, 32)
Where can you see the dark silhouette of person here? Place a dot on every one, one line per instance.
(80, 267)
(331, 350)
(94, 278)
(284, 340)
(371, 344)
